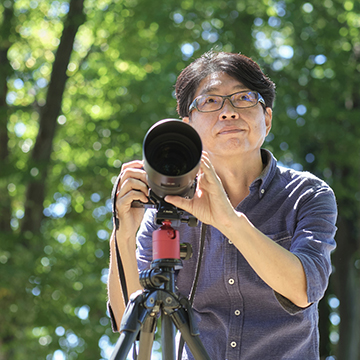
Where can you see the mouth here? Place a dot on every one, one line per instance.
(226, 131)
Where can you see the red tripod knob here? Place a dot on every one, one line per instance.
(166, 242)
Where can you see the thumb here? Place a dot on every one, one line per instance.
(178, 201)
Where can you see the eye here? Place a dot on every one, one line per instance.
(245, 96)
(207, 100)
(211, 99)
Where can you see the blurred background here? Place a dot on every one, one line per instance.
(80, 84)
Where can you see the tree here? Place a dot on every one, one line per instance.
(80, 84)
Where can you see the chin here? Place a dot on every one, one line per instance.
(234, 143)
(231, 150)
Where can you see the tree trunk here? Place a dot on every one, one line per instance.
(324, 326)
(5, 71)
(347, 289)
(40, 156)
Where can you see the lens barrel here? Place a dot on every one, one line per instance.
(172, 152)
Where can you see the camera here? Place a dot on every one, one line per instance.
(172, 153)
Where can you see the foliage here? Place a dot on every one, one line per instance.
(119, 81)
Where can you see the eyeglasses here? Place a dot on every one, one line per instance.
(241, 100)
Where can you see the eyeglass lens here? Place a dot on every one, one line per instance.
(215, 102)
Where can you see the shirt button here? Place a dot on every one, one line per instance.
(262, 191)
(237, 312)
(231, 281)
(233, 344)
(230, 242)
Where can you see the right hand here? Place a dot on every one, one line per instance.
(132, 186)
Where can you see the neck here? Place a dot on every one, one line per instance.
(237, 174)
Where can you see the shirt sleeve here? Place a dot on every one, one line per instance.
(313, 240)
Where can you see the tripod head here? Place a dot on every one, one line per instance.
(168, 212)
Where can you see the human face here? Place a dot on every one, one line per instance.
(229, 131)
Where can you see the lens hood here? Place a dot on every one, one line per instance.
(172, 152)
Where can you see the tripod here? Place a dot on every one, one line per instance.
(159, 298)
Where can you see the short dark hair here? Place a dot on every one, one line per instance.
(238, 66)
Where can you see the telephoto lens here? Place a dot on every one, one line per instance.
(172, 152)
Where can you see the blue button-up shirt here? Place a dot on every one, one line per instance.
(239, 315)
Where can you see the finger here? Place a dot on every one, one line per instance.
(132, 184)
(205, 155)
(128, 198)
(124, 203)
(137, 164)
(205, 160)
(132, 173)
(139, 174)
(208, 172)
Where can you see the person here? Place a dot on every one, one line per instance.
(270, 232)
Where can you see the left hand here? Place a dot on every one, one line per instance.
(210, 203)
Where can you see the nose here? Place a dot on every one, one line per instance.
(228, 112)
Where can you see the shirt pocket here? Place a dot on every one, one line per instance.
(282, 238)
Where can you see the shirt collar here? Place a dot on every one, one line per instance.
(264, 179)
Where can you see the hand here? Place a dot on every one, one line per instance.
(210, 203)
(132, 186)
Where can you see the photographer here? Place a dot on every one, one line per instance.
(271, 230)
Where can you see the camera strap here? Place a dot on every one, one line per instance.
(121, 274)
(195, 281)
(113, 199)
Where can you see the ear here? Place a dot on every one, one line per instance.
(186, 119)
(268, 120)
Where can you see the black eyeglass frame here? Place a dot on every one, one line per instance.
(260, 99)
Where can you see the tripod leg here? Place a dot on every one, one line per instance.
(147, 338)
(134, 316)
(180, 319)
(123, 346)
(167, 338)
